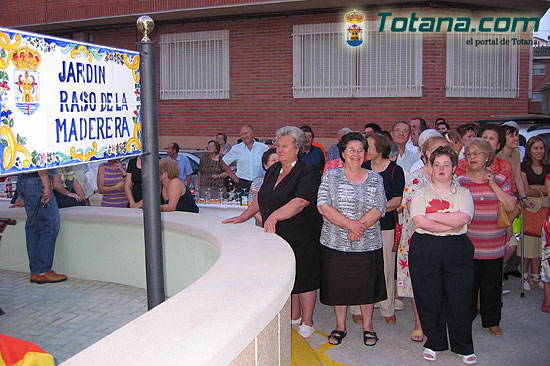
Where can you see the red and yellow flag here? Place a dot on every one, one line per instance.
(16, 352)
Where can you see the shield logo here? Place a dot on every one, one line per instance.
(27, 79)
(354, 28)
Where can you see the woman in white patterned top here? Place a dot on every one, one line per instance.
(352, 200)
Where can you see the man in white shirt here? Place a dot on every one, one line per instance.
(400, 134)
(248, 155)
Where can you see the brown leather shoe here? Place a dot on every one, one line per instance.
(496, 330)
(390, 319)
(50, 277)
(33, 278)
(357, 318)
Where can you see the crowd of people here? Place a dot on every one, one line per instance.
(412, 212)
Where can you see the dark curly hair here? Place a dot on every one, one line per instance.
(352, 136)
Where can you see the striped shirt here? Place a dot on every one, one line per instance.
(111, 177)
(488, 238)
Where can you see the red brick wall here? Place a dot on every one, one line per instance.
(261, 94)
(261, 81)
(539, 82)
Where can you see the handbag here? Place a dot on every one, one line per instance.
(534, 218)
(506, 218)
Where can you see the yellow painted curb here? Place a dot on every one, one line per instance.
(303, 355)
(320, 351)
(301, 352)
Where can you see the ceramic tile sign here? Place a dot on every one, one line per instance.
(65, 102)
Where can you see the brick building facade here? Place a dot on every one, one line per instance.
(262, 73)
(541, 79)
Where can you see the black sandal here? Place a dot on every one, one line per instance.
(368, 335)
(338, 335)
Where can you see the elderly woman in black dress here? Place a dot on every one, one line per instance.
(352, 201)
(287, 203)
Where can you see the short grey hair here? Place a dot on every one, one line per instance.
(297, 134)
(343, 131)
(482, 145)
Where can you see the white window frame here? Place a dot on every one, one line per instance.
(539, 69)
(202, 76)
(536, 97)
(485, 71)
(387, 64)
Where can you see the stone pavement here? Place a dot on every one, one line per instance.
(65, 318)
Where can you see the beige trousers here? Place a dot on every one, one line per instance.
(387, 307)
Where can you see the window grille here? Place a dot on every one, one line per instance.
(485, 71)
(385, 65)
(539, 69)
(536, 97)
(194, 65)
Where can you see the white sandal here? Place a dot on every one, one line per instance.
(429, 354)
(535, 279)
(469, 359)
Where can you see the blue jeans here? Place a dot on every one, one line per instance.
(42, 224)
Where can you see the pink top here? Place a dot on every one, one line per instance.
(488, 238)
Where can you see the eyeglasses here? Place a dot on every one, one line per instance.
(442, 166)
(474, 154)
(354, 151)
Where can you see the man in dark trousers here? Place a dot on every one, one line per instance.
(42, 225)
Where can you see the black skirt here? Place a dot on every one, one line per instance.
(352, 278)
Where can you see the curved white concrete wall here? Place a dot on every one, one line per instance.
(211, 321)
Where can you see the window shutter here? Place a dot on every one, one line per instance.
(385, 65)
(485, 71)
(194, 65)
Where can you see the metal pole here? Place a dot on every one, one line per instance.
(522, 236)
(154, 257)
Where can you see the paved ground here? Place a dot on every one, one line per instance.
(67, 317)
(526, 339)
